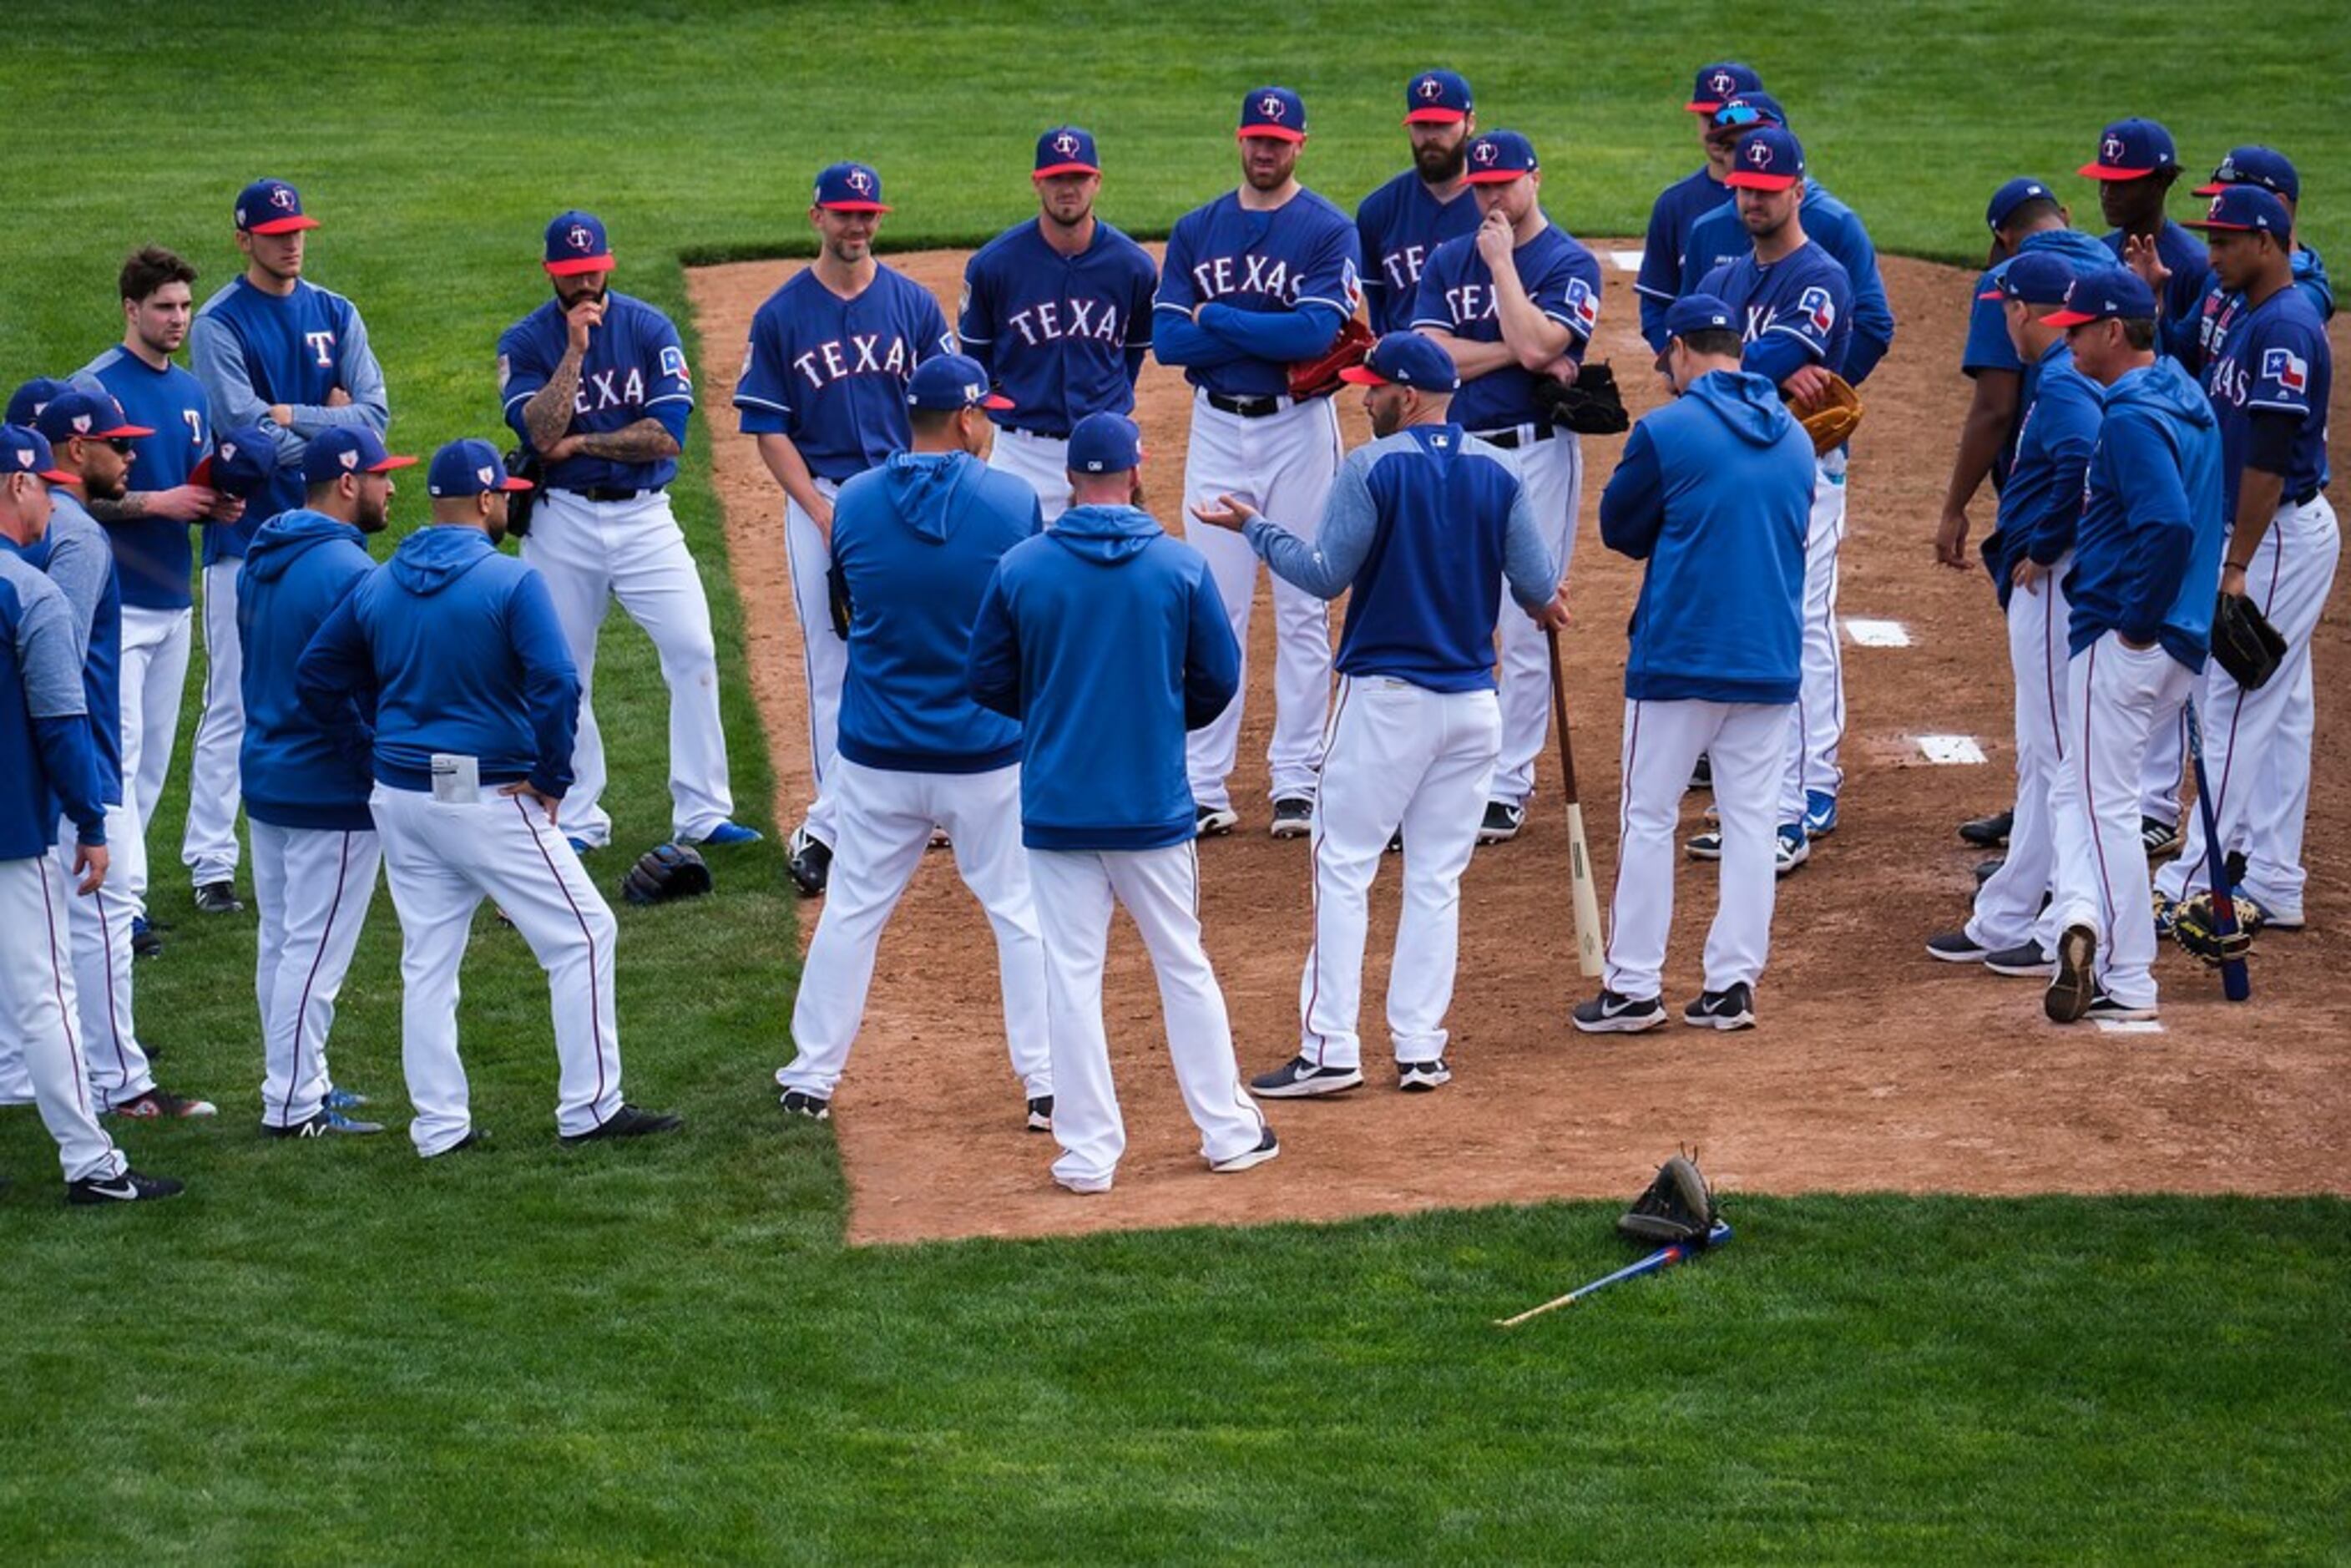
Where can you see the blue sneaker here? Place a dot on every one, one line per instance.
(345, 1098)
(1820, 813)
(579, 846)
(727, 835)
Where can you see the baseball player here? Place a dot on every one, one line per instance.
(50, 755)
(454, 655)
(823, 391)
(1715, 494)
(1422, 525)
(2269, 378)
(272, 350)
(1260, 278)
(2136, 169)
(1398, 225)
(1515, 302)
(1059, 312)
(2193, 340)
(1793, 303)
(2028, 555)
(2146, 562)
(914, 544)
(1680, 205)
(596, 383)
(1107, 640)
(306, 785)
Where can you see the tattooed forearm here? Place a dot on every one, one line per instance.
(644, 442)
(549, 412)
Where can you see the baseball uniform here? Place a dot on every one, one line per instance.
(1399, 225)
(1666, 250)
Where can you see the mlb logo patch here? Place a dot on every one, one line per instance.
(2286, 368)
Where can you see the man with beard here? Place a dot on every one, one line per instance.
(1680, 205)
(315, 852)
(272, 350)
(1400, 225)
(824, 391)
(1257, 280)
(596, 383)
(1058, 311)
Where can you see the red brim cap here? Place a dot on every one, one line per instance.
(1279, 132)
(996, 401)
(389, 464)
(509, 482)
(1434, 117)
(2214, 189)
(572, 266)
(1993, 294)
(1703, 108)
(1495, 176)
(2211, 227)
(1362, 376)
(2067, 319)
(126, 432)
(57, 477)
(202, 475)
(2102, 172)
(1065, 169)
(854, 206)
(283, 225)
(1742, 180)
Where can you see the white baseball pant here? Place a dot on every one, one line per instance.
(591, 553)
(1663, 741)
(885, 818)
(155, 648)
(1553, 475)
(1161, 891)
(37, 1012)
(208, 849)
(100, 933)
(312, 886)
(1818, 728)
(2008, 910)
(1042, 462)
(1399, 755)
(441, 859)
(1283, 465)
(824, 652)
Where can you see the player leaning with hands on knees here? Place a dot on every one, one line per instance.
(452, 651)
(1715, 494)
(1422, 527)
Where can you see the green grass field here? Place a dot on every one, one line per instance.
(331, 1352)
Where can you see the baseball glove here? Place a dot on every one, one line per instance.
(1591, 406)
(522, 462)
(664, 872)
(2244, 642)
(1832, 424)
(2196, 926)
(1319, 377)
(1679, 1206)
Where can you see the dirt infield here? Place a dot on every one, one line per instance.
(1874, 1067)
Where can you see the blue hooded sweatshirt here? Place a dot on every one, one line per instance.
(2042, 502)
(297, 773)
(450, 647)
(2146, 557)
(913, 542)
(1108, 640)
(1715, 492)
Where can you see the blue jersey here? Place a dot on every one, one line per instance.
(634, 369)
(1792, 312)
(1665, 254)
(253, 349)
(1719, 237)
(75, 555)
(1397, 228)
(2041, 505)
(1062, 336)
(2274, 360)
(2194, 342)
(45, 727)
(2189, 258)
(1456, 297)
(1272, 289)
(831, 372)
(1988, 346)
(154, 556)
(2146, 557)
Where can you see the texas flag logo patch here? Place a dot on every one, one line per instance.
(1819, 309)
(2286, 368)
(1583, 305)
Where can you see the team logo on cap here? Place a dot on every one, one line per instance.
(24, 458)
(2112, 151)
(1722, 82)
(82, 424)
(1271, 107)
(485, 475)
(1482, 153)
(579, 236)
(859, 182)
(348, 459)
(282, 198)
(1758, 153)
(228, 451)
(1066, 145)
(1429, 88)
(2286, 368)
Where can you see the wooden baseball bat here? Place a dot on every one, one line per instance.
(2236, 984)
(1584, 893)
(1663, 1258)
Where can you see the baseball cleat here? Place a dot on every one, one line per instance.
(1085, 1186)
(475, 1140)
(940, 839)
(1040, 1114)
(2102, 1005)
(1214, 821)
(218, 898)
(1820, 813)
(579, 846)
(2274, 917)
(1986, 869)
(161, 1105)
(2166, 914)
(1267, 1147)
(345, 1100)
(800, 1103)
(326, 1124)
(628, 1122)
(2161, 838)
(146, 942)
(1706, 846)
(811, 864)
(1501, 822)
(1420, 1077)
(1791, 849)
(130, 1186)
(1957, 948)
(1988, 832)
(1702, 773)
(1395, 842)
(728, 835)
(1293, 817)
(1300, 1079)
(1609, 1013)
(2076, 985)
(1725, 1010)
(2025, 961)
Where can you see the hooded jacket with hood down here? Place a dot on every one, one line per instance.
(297, 773)
(2146, 557)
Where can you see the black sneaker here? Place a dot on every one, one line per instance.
(629, 1121)
(1214, 821)
(1702, 773)
(1726, 1009)
(218, 898)
(1609, 1013)
(326, 1124)
(1501, 822)
(1300, 1079)
(2075, 986)
(2104, 1007)
(1267, 1147)
(1420, 1077)
(475, 1140)
(1957, 948)
(810, 864)
(130, 1186)
(1988, 832)
(1985, 868)
(146, 942)
(2025, 961)
(1040, 1114)
(1395, 842)
(1294, 818)
(2161, 838)
(800, 1103)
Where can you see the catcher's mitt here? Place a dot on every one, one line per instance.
(1833, 422)
(2196, 926)
(664, 872)
(522, 462)
(1319, 377)
(1590, 406)
(1679, 1206)
(2245, 643)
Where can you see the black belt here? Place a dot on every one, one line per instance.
(1246, 407)
(606, 493)
(2305, 498)
(1038, 435)
(1513, 437)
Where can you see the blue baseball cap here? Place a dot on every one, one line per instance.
(271, 207)
(242, 465)
(2244, 209)
(1698, 313)
(1499, 157)
(1748, 112)
(1066, 149)
(25, 405)
(2107, 294)
(1274, 111)
(849, 188)
(576, 243)
(89, 413)
(347, 449)
(2264, 166)
(949, 382)
(1406, 360)
(2035, 277)
(1771, 158)
(23, 450)
(1720, 82)
(1436, 98)
(1105, 444)
(2131, 150)
(468, 469)
(2009, 197)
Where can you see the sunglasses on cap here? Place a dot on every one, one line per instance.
(1739, 115)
